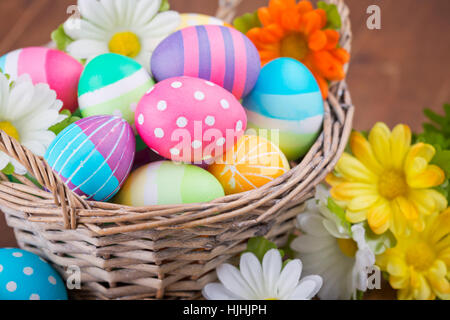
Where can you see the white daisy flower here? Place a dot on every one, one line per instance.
(328, 248)
(27, 111)
(268, 281)
(132, 28)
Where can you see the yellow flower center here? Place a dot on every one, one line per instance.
(348, 247)
(294, 46)
(126, 44)
(420, 256)
(271, 299)
(392, 184)
(9, 129)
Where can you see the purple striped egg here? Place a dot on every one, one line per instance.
(94, 156)
(219, 54)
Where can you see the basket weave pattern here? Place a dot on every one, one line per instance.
(165, 251)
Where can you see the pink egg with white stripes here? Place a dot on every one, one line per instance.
(44, 65)
(190, 119)
(219, 54)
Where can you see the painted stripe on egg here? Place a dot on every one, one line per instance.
(115, 90)
(219, 54)
(31, 62)
(94, 156)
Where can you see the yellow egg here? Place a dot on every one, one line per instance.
(196, 19)
(252, 163)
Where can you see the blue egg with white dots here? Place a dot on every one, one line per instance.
(26, 276)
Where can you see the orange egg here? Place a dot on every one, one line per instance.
(252, 163)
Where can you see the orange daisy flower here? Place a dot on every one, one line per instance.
(297, 30)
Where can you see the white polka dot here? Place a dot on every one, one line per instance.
(209, 83)
(28, 271)
(159, 133)
(210, 121)
(52, 280)
(239, 126)
(225, 104)
(17, 254)
(150, 90)
(133, 107)
(175, 152)
(35, 296)
(221, 142)
(197, 144)
(182, 122)
(11, 286)
(1, 268)
(177, 84)
(198, 95)
(162, 105)
(141, 119)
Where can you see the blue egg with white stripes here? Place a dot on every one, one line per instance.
(286, 105)
(26, 276)
(94, 156)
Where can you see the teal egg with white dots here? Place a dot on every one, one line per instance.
(26, 276)
(112, 84)
(288, 104)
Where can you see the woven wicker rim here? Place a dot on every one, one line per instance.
(60, 205)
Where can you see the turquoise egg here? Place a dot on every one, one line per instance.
(26, 276)
(112, 84)
(287, 102)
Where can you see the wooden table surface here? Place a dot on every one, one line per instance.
(395, 72)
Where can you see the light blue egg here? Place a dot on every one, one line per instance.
(287, 98)
(26, 276)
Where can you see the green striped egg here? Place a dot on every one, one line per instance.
(166, 182)
(112, 84)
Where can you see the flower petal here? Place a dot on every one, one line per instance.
(251, 270)
(217, 291)
(307, 288)
(232, 279)
(271, 269)
(433, 176)
(289, 279)
(379, 216)
(305, 243)
(161, 26)
(362, 202)
(87, 49)
(400, 144)
(407, 208)
(362, 150)
(95, 13)
(354, 171)
(312, 224)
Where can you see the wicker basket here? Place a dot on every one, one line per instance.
(165, 251)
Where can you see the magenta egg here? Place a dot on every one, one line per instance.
(190, 119)
(57, 69)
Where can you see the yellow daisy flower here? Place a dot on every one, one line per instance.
(388, 182)
(419, 265)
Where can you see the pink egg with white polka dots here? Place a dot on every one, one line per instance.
(190, 120)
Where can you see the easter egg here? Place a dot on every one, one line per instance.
(253, 162)
(189, 119)
(165, 182)
(219, 54)
(112, 84)
(57, 69)
(196, 19)
(94, 156)
(287, 101)
(26, 276)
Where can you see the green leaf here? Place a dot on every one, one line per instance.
(9, 169)
(61, 39)
(57, 128)
(165, 6)
(246, 22)
(259, 246)
(340, 213)
(379, 243)
(334, 20)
